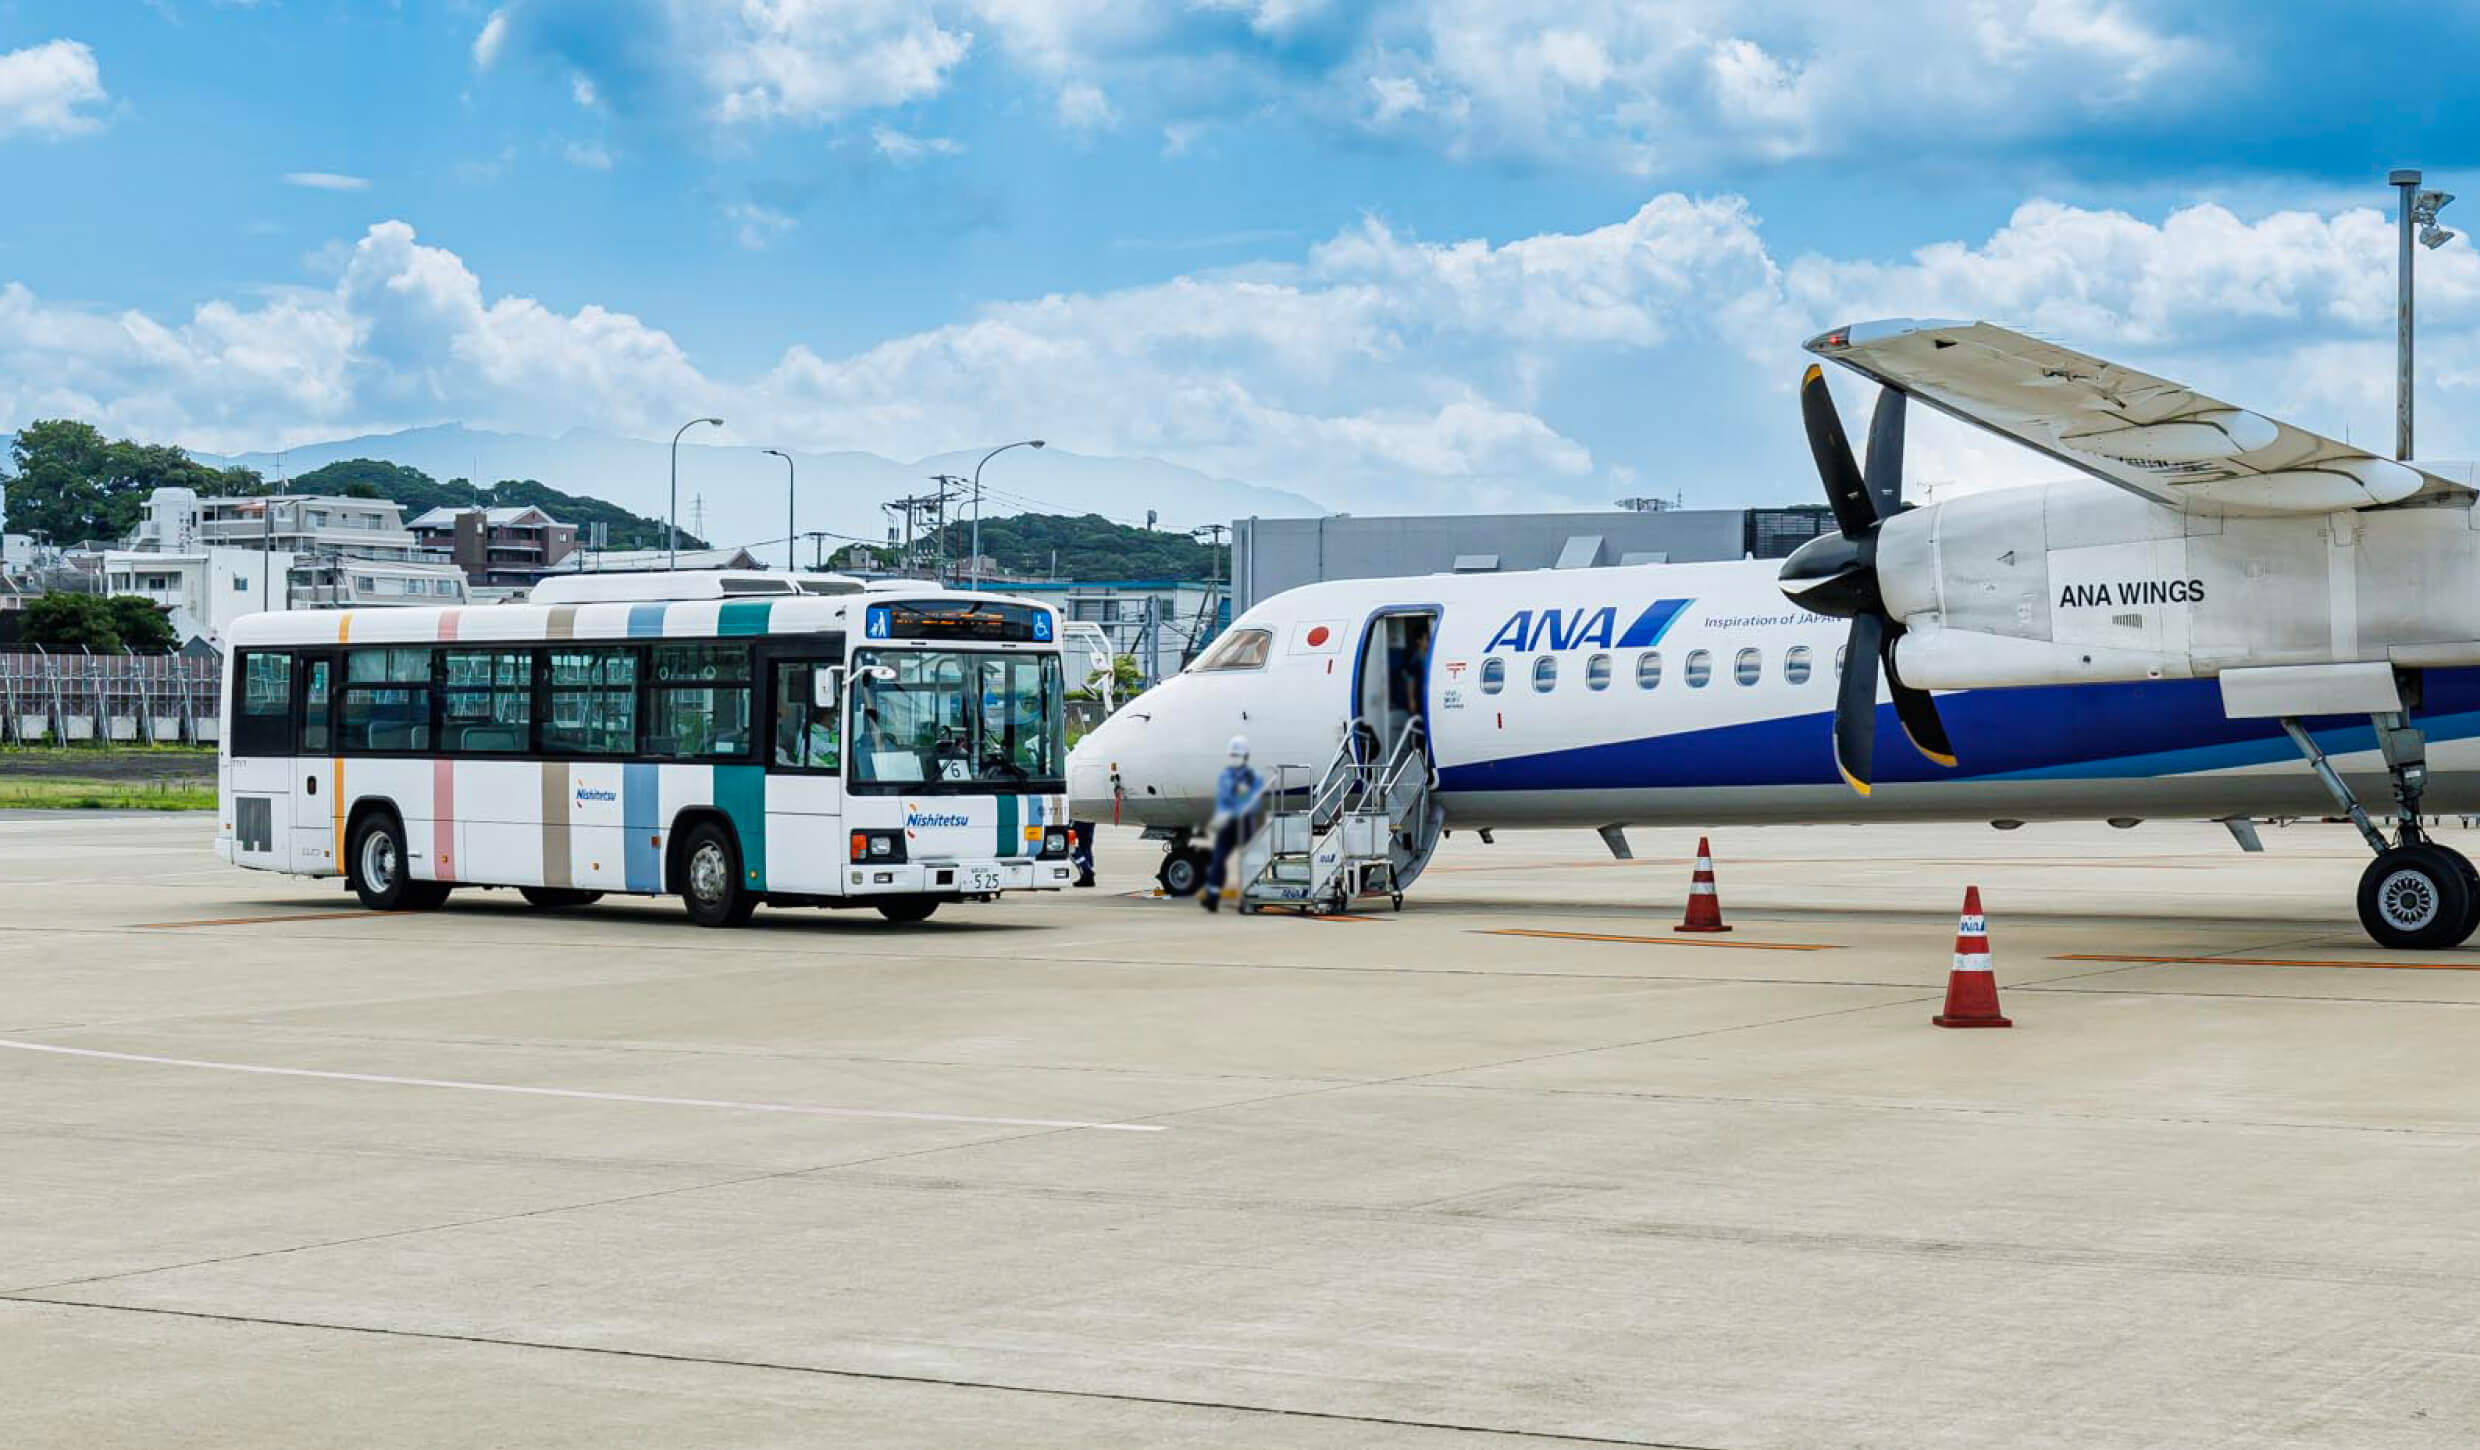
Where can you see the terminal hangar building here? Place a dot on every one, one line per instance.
(1270, 555)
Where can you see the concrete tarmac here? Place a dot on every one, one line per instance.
(1516, 1166)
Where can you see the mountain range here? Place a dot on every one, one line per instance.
(743, 490)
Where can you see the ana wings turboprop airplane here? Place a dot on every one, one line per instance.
(2228, 617)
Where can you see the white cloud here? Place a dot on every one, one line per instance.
(756, 227)
(45, 90)
(326, 181)
(1377, 370)
(904, 150)
(1083, 107)
(490, 40)
(581, 89)
(806, 61)
(590, 155)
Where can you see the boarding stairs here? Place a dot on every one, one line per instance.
(1364, 828)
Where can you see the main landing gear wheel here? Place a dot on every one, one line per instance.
(1183, 871)
(2420, 897)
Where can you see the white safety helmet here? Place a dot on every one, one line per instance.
(1240, 748)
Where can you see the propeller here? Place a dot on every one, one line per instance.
(1837, 574)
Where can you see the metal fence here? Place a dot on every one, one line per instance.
(50, 697)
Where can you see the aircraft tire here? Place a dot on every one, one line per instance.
(1183, 870)
(2419, 898)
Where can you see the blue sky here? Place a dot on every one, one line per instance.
(1411, 253)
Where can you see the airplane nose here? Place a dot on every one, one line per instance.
(1089, 771)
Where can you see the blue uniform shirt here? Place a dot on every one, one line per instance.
(1235, 790)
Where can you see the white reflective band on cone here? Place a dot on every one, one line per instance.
(1971, 961)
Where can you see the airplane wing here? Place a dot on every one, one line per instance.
(2146, 434)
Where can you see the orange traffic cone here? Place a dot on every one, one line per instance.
(1704, 907)
(1971, 988)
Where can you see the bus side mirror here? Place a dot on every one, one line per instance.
(827, 688)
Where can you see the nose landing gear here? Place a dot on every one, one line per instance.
(2417, 895)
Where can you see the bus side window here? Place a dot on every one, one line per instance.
(263, 710)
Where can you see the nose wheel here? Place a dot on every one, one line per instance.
(1183, 869)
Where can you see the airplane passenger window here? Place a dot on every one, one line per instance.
(1700, 668)
(1838, 660)
(1493, 676)
(1748, 666)
(1795, 664)
(1649, 669)
(1597, 673)
(1545, 673)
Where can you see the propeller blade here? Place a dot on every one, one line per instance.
(1855, 702)
(1885, 470)
(1846, 491)
(1915, 709)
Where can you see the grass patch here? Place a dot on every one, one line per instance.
(71, 794)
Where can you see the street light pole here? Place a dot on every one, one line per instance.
(792, 562)
(977, 501)
(2408, 184)
(675, 514)
(2420, 208)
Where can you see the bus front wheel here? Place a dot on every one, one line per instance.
(905, 910)
(710, 878)
(379, 872)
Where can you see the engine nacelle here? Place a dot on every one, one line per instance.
(2076, 582)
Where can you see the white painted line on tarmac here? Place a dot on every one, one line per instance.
(545, 1092)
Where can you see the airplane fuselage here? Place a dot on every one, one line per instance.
(1695, 694)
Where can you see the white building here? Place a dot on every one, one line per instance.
(179, 521)
(330, 583)
(203, 589)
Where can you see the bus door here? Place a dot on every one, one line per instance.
(259, 765)
(314, 809)
(805, 773)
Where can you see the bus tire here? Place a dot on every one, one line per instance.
(379, 868)
(557, 898)
(905, 910)
(710, 878)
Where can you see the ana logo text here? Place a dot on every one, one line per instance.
(2131, 591)
(1529, 630)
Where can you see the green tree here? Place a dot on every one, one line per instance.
(62, 620)
(71, 484)
(142, 625)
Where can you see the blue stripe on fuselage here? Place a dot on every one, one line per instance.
(2068, 732)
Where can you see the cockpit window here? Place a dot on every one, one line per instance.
(1242, 649)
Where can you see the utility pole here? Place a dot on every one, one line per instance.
(951, 485)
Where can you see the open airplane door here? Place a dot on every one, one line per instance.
(1391, 716)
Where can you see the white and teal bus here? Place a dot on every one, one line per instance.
(735, 739)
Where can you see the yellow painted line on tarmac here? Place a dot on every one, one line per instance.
(1668, 941)
(262, 920)
(2267, 962)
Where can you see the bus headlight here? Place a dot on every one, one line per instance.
(1055, 843)
(878, 847)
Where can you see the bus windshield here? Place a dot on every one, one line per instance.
(952, 717)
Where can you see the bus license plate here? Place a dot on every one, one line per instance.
(983, 878)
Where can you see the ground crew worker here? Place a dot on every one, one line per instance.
(1235, 802)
